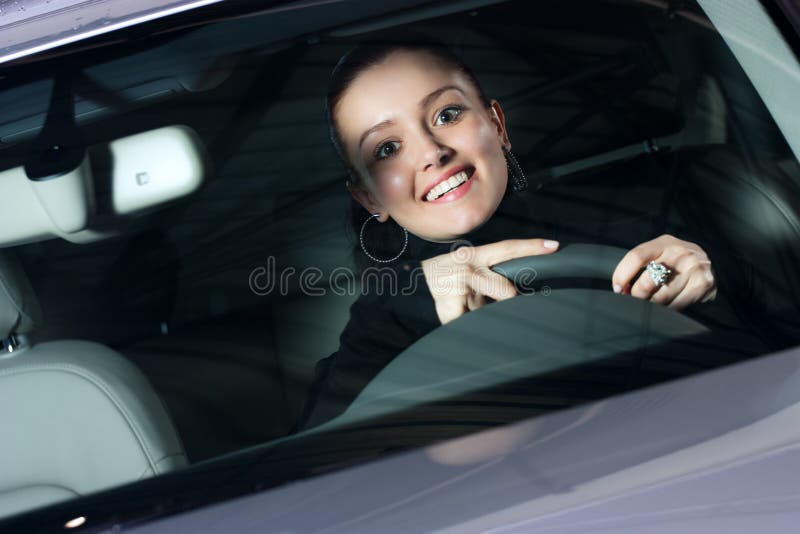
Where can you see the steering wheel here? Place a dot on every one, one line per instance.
(572, 261)
(526, 335)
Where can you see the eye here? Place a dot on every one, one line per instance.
(385, 150)
(448, 115)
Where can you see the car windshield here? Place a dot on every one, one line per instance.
(192, 274)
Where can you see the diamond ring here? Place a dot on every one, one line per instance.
(658, 273)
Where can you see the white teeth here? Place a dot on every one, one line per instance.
(447, 185)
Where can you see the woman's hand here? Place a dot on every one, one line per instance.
(691, 280)
(462, 280)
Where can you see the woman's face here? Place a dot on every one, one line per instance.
(427, 148)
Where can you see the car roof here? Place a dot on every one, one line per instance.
(29, 27)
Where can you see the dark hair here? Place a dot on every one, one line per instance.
(382, 240)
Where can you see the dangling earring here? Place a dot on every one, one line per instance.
(364, 248)
(515, 174)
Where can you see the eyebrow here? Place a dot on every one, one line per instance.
(379, 126)
(425, 102)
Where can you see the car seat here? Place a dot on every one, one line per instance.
(76, 416)
(747, 210)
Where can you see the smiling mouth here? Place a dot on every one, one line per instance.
(454, 182)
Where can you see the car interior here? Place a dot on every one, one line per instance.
(130, 332)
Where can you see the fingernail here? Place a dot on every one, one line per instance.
(550, 244)
(617, 288)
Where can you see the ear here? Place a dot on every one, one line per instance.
(367, 200)
(499, 121)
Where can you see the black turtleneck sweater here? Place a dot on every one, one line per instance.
(384, 323)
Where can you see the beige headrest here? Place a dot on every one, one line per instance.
(19, 309)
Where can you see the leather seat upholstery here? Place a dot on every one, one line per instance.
(77, 417)
(749, 213)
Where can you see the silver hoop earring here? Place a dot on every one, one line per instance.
(364, 248)
(518, 180)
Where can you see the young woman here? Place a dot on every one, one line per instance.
(430, 164)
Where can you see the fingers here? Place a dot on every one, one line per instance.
(461, 281)
(633, 262)
(677, 259)
(700, 286)
(490, 284)
(494, 253)
(475, 301)
(691, 280)
(448, 309)
(470, 290)
(683, 270)
(484, 281)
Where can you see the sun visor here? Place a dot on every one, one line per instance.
(144, 172)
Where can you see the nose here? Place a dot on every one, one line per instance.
(433, 153)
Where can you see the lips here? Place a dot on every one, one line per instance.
(448, 182)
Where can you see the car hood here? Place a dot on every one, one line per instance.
(711, 453)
